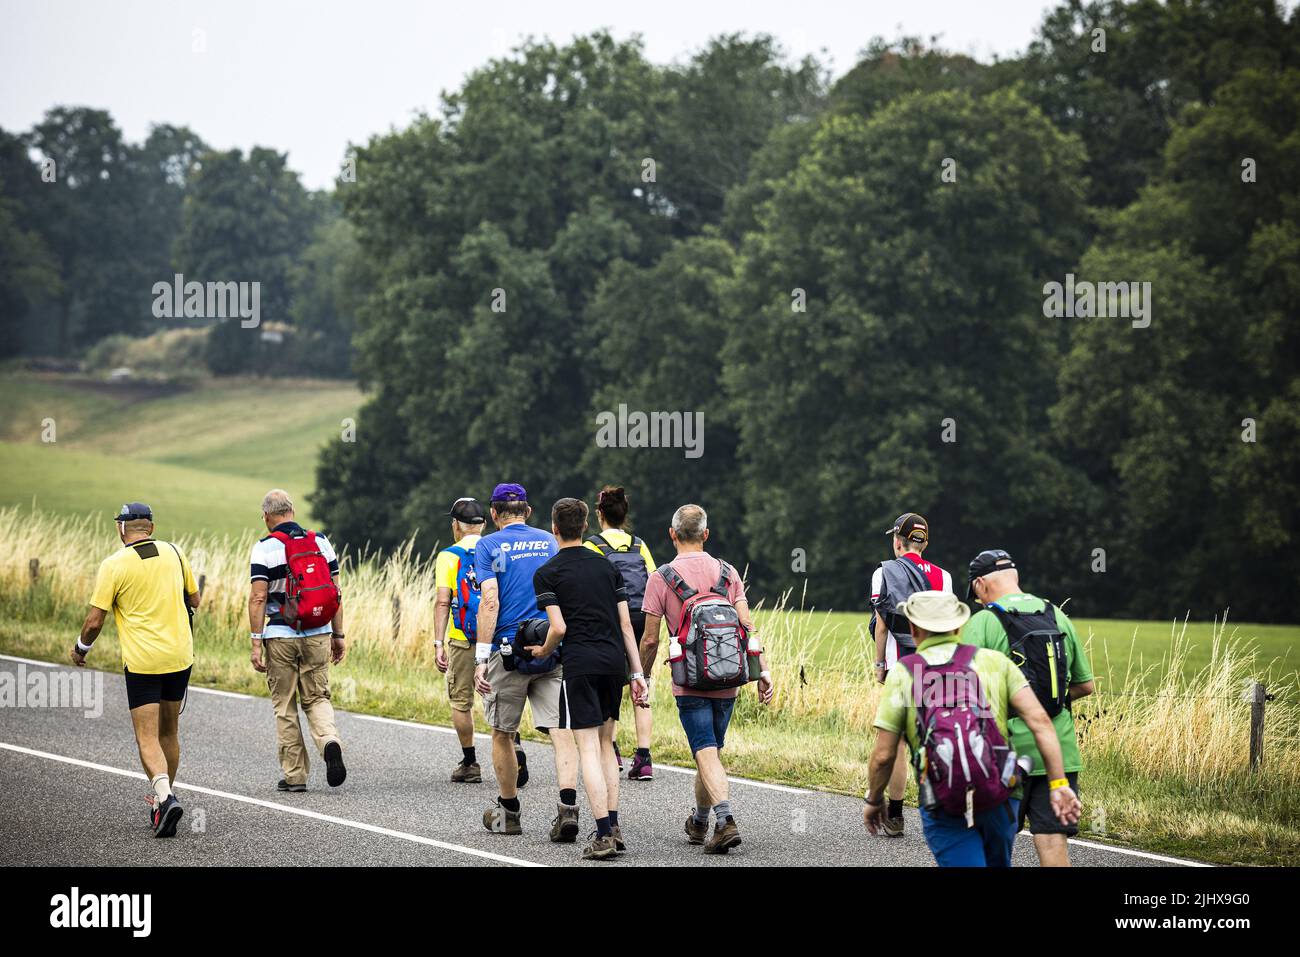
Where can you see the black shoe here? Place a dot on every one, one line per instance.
(335, 772)
(522, 779)
(283, 785)
(165, 817)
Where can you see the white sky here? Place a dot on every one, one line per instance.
(310, 77)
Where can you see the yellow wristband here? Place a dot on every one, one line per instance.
(1058, 783)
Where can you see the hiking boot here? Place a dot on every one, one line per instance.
(165, 816)
(564, 829)
(522, 778)
(725, 837)
(892, 826)
(501, 820)
(616, 832)
(467, 773)
(696, 832)
(335, 772)
(600, 848)
(642, 769)
(283, 785)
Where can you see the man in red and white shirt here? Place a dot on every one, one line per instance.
(892, 583)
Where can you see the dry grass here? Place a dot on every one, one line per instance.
(1166, 753)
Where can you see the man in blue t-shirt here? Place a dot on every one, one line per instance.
(504, 563)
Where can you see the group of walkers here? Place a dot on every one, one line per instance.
(568, 622)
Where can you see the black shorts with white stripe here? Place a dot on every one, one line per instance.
(588, 701)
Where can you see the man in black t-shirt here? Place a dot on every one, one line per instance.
(586, 607)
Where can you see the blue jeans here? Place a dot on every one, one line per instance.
(705, 720)
(987, 844)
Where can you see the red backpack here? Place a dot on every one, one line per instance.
(311, 599)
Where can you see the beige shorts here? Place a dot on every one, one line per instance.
(460, 675)
(504, 707)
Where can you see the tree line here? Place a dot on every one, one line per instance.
(848, 281)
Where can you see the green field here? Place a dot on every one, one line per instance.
(1124, 652)
(202, 457)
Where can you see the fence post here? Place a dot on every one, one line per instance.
(397, 617)
(34, 569)
(1258, 695)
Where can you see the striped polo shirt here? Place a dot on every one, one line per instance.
(267, 564)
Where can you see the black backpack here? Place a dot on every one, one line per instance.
(631, 564)
(900, 580)
(1037, 646)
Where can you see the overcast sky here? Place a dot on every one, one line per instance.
(310, 77)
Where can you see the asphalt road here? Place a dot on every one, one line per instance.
(73, 794)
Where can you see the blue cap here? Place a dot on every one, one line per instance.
(134, 511)
(509, 492)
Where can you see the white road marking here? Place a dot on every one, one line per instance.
(32, 661)
(54, 664)
(223, 694)
(300, 812)
(1133, 853)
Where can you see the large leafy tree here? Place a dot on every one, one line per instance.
(923, 304)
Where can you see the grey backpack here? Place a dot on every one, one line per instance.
(901, 580)
(631, 565)
(712, 652)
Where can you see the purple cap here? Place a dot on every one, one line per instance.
(509, 492)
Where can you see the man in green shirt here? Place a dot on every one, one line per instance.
(985, 840)
(995, 583)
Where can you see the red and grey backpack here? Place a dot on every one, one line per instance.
(311, 599)
(712, 645)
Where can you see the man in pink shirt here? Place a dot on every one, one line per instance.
(704, 714)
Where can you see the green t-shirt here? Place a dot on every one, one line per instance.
(999, 680)
(985, 631)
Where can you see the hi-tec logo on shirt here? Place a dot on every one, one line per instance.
(74, 910)
(539, 544)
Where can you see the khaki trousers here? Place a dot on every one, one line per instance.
(298, 671)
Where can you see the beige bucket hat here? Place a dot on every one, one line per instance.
(938, 612)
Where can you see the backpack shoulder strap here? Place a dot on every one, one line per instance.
(458, 550)
(601, 544)
(915, 574)
(635, 544)
(964, 656)
(725, 574)
(675, 581)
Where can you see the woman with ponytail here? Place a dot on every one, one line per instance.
(633, 559)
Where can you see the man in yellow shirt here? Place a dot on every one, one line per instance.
(453, 648)
(151, 591)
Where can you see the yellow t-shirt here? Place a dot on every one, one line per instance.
(619, 539)
(445, 568)
(141, 586)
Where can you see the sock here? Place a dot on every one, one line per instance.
(568, 796)
(613, 819)
(722, 810)
(468, 755)
(701, 815)
(510, 804)
(895, 808)
(161, 787)
(643, 753)
(602, 827)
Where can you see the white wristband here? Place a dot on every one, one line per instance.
(765, 674)
(84, 649)
(482, 652)
(256, 635)
(635, 675)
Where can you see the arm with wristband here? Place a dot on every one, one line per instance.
(1065, 803)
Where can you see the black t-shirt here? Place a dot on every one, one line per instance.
(587, 587)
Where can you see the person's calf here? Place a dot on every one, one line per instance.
(1053, 850)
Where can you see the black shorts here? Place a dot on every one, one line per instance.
(150, 689)
(588, 701)
(638, 625)
(1036, 806)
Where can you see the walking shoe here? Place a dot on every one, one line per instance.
(501, 820)
(283, 785)
(616, 832)
(165, 816)
(564, 829)
(892, 826)
(600, 848)
(642, 769)
(335, 772)
(725, 837)
(522, 779)
(696, 832)
(467, 773)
